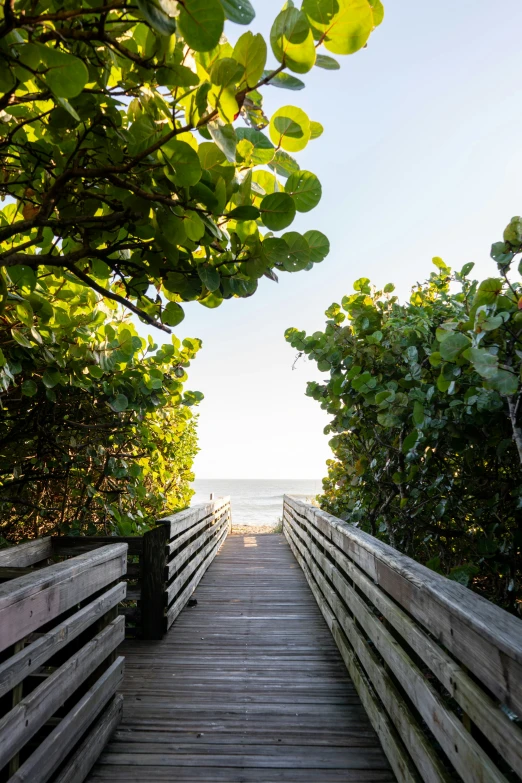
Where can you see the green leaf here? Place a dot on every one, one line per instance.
(119, 403)
(283, 164)
(174, 75)
(464, 573)
(201, 23)
(64, 103)
(238, 11)
(22, 276)
(290, 128)
(285, 81)
(378, 11)
(328, 63)
(316, 129)
(439, 263)
(485, 363)
(298, 252)
(505, 382)
(172, 314)
(29, 388)
(410, 441)
(182, 164)
(418, 413)
(453, 345)
(343, 26)
(435, 359)
(443, 383)
(209, 277)
(225, 137)
(250, 51)
(489, 291)
(292, 40)
(274, 250)
(277, 211)
(21, 339)
(194, 226)
(466, 269)
(501, 252)
(65, 74)
(157, 17)
(513, 232)
(244, 213)
(51, 377)
(318, 244)
(388, 420)
(211, 301)
(305, 189)
(263, 150)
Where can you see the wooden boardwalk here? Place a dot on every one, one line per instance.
(248, 686)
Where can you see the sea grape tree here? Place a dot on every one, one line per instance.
(425, 399)
(97, 432)
(136, 156)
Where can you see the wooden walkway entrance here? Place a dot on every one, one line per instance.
(248, 686)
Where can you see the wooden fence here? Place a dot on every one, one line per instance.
(164, 565)
(59, 671)
(437, 667)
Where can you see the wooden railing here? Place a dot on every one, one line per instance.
(59, 671)
(164, 565)
(437, 667)
(192, 539)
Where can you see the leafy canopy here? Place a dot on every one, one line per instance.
(133, 151)
(425, 405)
(96, 429)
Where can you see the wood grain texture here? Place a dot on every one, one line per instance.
(48, 756)
(32, 600)
(26, 554)
(485, 638)
(247, 686)
(33, 655)
(504, 734)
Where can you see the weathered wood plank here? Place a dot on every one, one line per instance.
(504, 734)
(184, 519)
(485, 638)
(212, 533)
(31, 601)
(81, 762)
(24, 720)
(153, 565)
(196, 568)
(34, 655)
(47, 757)
(26, 554)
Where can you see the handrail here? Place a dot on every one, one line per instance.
(165, 564)
(59, 670)
(437, 666)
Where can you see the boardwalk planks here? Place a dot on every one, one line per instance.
(247, 686)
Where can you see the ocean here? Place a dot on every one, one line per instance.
(256, 501)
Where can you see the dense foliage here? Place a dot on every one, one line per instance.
(425, 399)
(120, 154)
(96, 432)
(135, 172)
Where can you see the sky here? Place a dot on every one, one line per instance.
(420, 157)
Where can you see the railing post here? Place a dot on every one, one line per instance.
(153, 586)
